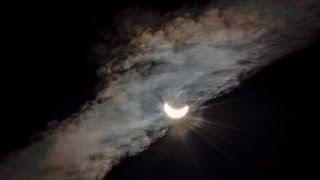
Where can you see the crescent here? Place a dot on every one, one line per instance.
(175, 113)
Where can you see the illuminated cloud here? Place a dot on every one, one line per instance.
(183, 57)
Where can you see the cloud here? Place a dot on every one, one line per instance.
(181, 57)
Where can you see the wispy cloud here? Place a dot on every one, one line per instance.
(183, 57)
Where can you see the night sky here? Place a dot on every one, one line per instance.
(270, 123)
(274, 131)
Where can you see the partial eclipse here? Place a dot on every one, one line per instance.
(174, 113)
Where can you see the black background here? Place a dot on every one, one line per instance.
(48, 76)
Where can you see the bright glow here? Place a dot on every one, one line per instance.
(175, 113)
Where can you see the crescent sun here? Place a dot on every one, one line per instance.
(174, 113)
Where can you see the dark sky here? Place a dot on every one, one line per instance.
(275, 113)
(49, 74)
(275, 117)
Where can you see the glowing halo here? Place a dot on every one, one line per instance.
(174, 113)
